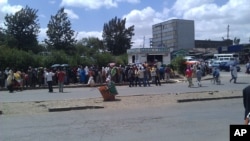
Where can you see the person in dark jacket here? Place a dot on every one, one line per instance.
(246, 103)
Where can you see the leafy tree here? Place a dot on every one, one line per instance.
(103, 59)
(90, 46)
(179, 65)
(14, 58)
(23, 28)
(2, 36)
(60, 34)
(116, 37)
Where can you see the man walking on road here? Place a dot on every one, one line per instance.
(199, 75)
(233, 70)
(189, 75)
(246, 103)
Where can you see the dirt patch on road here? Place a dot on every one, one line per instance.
(121, 102)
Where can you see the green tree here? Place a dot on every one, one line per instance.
(90, 46)
(2, 37)
(60, 35)
(23, 28)
(179, 65)
(116, 37)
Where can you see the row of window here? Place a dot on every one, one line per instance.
(171, 34)
(165, 26)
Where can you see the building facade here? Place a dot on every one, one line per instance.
(176, 37)
(167, 36)
(150, 55)
(212, 44)
(176, 34)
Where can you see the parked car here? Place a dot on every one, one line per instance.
(215, 64)
(226, 66)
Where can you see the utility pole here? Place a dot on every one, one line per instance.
(143, 42)
(227, 32)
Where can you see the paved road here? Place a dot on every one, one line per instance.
(206, 120)
(87, 92)
(194, 121)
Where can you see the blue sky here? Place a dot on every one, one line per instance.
(88, 16)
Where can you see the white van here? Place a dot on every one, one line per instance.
(225, 59)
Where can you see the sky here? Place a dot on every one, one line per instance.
(211, 17)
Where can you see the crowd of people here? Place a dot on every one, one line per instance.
(134, 75)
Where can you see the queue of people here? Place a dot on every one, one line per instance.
(142, 75)
(135, 75)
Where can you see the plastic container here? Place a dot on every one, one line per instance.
(106, 94)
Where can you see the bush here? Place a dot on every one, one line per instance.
(179, 65)
(21, 60)
(15, 59)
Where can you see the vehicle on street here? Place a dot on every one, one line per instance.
(226, 66)
(227, 56)
(215, 64)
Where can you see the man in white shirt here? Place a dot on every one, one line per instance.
(49, 78)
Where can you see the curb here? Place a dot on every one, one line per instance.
(85, 85)
(206, 99)
(73, 108)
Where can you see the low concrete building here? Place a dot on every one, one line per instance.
(150, 55)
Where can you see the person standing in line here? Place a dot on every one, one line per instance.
(141, 77)
(10, 81)
(131, 76)
(246, 104)
(60, 76)
(136, 71)
(152, 73)
(167, 73)
(157, 76)
(162, 72)
(189, 75)
(147, 76)
(2, 78)
(49, 78)
(86, 69)
(198, 76)
(44, 76)
(233, 73)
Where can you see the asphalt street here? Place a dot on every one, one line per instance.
(194, 121)
(203, 120)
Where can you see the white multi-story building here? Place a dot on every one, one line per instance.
(176, 34)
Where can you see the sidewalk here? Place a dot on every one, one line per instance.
(77, 85)
(139, 98)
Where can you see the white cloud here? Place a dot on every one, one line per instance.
(89, 4)
(181, 6)
(52, 1)
(5, 8)
(129, 1)
(84, 34)
(71, 14)
(42, 16)
(211, 20)
(95, 4)
(42, 35)
(143, 21)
